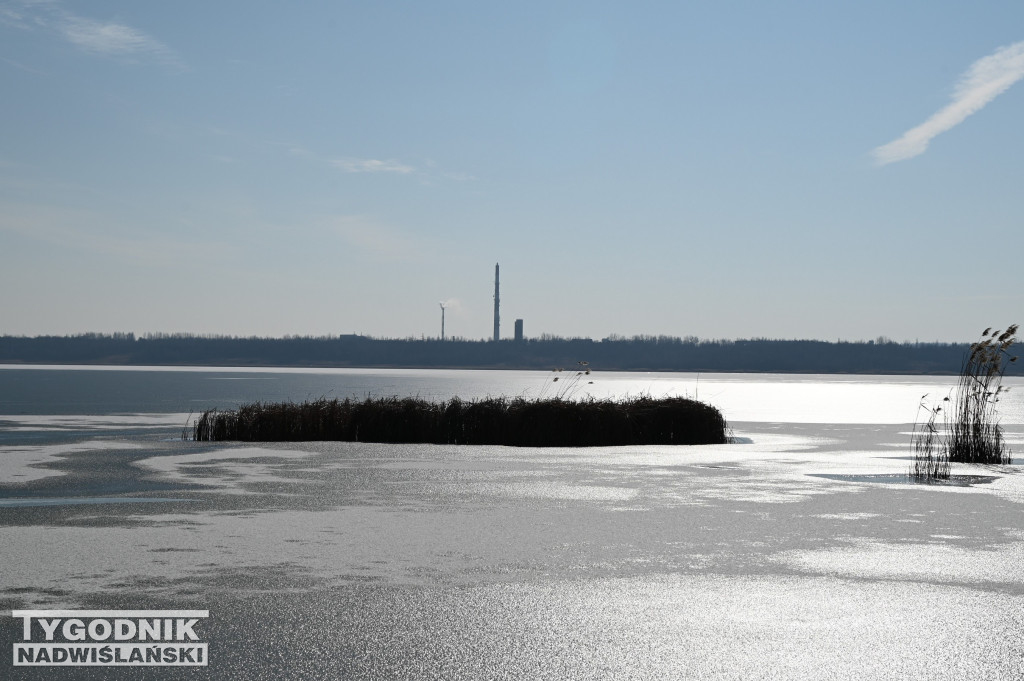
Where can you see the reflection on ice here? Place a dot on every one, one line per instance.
(929, 561)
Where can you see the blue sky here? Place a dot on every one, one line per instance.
(725, 170)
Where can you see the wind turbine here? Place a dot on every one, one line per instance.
(442, 320)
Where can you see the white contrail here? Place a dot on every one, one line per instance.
(987, 78)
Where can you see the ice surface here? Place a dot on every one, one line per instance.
(355, 560)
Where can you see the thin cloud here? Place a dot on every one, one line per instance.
(448, 175)
(985, 80)
(372, 165)
(90, 35)
(23, 67)
(12, 15)
(107, 38)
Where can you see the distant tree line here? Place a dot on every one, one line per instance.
(637, 353)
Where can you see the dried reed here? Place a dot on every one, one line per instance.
(493, 421)
(971, 432)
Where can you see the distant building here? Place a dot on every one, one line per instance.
(519, 329)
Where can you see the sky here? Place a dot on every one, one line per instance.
(742, 169)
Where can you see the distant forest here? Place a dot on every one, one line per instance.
(637, 353)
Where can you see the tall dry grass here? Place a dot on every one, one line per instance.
(971, 432)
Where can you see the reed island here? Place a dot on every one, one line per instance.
(520, 422)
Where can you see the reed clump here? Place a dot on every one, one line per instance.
(493, 421)
(971, 432)
(931, 456)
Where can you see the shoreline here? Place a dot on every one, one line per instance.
(315, 368)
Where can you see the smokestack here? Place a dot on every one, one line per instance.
(497, 317)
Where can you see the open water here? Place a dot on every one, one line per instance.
(800, 550)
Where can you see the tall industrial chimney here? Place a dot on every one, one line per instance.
(497, 318)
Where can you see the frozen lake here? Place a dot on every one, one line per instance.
(799, 551)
